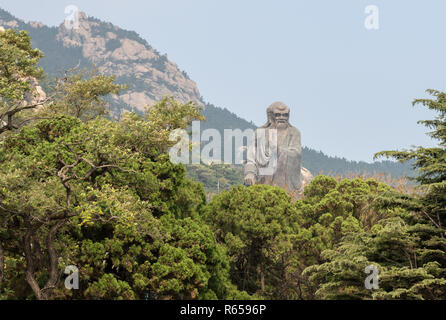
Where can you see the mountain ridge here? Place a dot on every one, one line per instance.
(113, 51)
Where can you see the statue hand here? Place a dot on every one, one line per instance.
(250, 179)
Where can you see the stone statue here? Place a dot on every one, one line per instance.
(275, 154)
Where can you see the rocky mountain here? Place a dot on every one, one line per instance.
(112, 51)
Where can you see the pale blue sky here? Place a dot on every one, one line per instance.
(350, 89)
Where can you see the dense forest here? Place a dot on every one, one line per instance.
(80, 189)
(219, 177)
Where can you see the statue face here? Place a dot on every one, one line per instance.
(281, 117)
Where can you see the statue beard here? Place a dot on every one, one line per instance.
(281, 125)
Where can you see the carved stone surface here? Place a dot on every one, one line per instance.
(275, 154)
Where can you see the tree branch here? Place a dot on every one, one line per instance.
(10, 113)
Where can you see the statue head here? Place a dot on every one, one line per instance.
(280, 114)
(280, 108)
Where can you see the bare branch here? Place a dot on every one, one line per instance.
(32, 106)
(10, 113)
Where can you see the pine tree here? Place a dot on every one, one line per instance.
(430, 162)
(408, 247)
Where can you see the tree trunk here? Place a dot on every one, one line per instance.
(53, 267)
(30, 265)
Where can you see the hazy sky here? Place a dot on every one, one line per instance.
(349, 89)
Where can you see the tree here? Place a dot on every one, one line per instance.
(408, 245)
(271, 240)
(18, 70)
(402, 257)
(103, 195)
(430, 162)
(332, 210)
(429, 209)
(76, 188)
(257, 225)
(81, 93)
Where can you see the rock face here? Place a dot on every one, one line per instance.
(307, 176)
(124, 54)
(113, 51)
(37, 94)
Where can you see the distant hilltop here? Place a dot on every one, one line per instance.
(114, 51)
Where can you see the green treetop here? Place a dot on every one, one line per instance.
(18, 68)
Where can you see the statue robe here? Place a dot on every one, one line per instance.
(285, 162)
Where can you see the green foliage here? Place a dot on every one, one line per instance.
(74, 192)
(215, 177)
(18, 68)
(271, 240)
(18, 62)
(430, 162)
(218, 177)
(406, 265)
(106, 198)
(256, 225)
(81, 94)
(409, 248)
